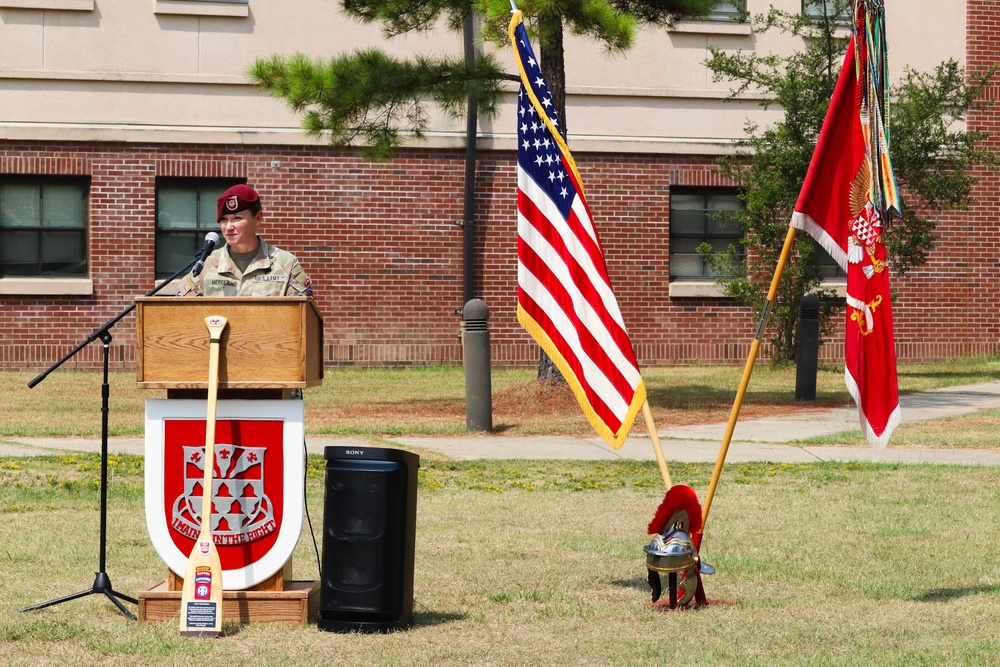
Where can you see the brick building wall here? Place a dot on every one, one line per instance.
(381, 244)
(974, 239)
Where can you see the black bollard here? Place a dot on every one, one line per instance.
(807, 349)
(476, 355)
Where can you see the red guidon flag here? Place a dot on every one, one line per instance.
(564, 296)
(843, 206)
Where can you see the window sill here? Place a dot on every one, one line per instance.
(237, 8)
(47, 286)
(839, 287)
(701, 289)
(71, 5)
(695, 289)
(722, 27)
(840, 32)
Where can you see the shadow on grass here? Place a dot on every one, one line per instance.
(699, 396)
(638, 584)
(429, 618)
(948, 594)
(956, 375)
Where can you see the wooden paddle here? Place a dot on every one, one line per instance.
(201, 599)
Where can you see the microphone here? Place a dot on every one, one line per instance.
(211, 239)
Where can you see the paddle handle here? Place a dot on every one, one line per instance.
(216, 324)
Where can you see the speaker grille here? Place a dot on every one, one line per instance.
(368, 538)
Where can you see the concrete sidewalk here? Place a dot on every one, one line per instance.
(768, 440)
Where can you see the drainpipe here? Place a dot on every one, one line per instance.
(468, 247)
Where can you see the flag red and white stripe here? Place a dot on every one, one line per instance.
(835, 208)
(565, 299)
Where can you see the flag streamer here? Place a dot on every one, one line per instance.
(872, 72)
(565, 298)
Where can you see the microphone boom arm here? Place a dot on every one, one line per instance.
(104, 331)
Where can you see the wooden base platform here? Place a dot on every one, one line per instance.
(298, 603)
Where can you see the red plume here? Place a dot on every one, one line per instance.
(679, 497)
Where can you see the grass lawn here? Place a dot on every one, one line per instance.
(374, 402)
(534, 563)
(541, 562)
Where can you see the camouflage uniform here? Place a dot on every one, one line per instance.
(273, 272)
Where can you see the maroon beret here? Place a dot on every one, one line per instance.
(235, 199)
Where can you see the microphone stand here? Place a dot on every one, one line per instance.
(102, 582)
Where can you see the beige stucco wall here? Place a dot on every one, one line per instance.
(137, 70)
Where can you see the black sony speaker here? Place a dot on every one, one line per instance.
(369, 521)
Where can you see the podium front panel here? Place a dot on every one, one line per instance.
(270, 342)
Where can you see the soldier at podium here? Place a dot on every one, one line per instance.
(247, 265)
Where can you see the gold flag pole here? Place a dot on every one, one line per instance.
(747, 372)
(655, 439)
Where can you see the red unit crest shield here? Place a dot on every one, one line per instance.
(257, 484)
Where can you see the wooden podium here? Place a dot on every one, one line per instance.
(271, 342)
(272, 346)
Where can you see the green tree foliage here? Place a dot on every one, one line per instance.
(373, 100)
(932, 159)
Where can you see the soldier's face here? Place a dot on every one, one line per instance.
(240, 230)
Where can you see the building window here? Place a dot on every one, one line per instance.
(237, 8)
(68, 5)
(728, 9)
(697, 216)
(817, 9)
(829, 268)
(43, 226)
(185, 212)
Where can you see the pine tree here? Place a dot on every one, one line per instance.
(374, 100)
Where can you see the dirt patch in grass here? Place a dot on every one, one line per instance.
(538, 408)
(547, 402)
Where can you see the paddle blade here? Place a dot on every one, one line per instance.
(201, 599)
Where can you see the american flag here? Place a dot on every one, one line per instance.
(564, 296)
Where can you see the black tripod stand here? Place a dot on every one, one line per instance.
(102, 582)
